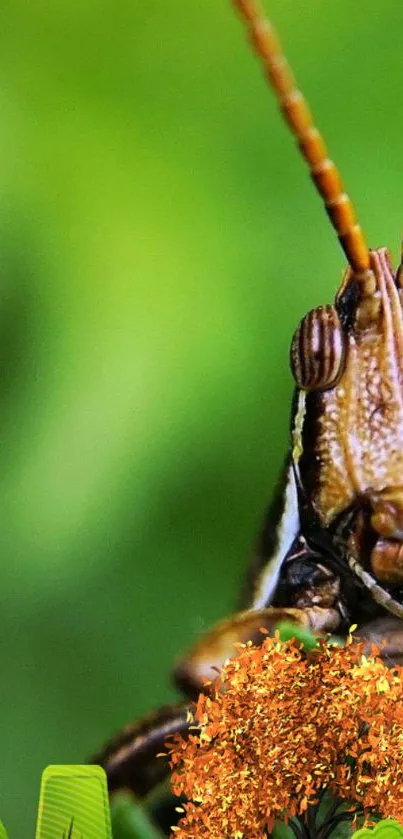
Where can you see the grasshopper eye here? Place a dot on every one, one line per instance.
(318, 349)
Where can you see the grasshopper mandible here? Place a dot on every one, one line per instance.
(331, 549)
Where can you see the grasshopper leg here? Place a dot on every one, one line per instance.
(130, 758)
(387, 634)
(202, 663)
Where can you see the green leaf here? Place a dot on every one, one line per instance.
(288, 630)
(130, 821)
(385, 829)
(342, 830)
(3, 832)
(282, 831)
(73, 803)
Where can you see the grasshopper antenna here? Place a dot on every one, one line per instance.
(311, 143)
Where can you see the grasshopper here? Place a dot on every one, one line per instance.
(331, 548)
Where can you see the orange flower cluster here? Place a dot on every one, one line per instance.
(280, 726)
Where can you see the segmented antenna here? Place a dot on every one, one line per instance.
(298, 116)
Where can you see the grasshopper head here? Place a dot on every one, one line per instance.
(347, 360)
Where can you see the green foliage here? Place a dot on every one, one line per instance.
(283, 831)
(385, 829)
(342, 830)
(288, 630)
(324, 820)
(67, 834)
(130, 820)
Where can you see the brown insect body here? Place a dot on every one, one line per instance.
(333, 553)
(350, 452)
(359, 421)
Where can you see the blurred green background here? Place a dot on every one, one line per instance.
(159, 241)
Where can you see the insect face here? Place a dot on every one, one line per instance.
(348, 436)
(347, 360)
